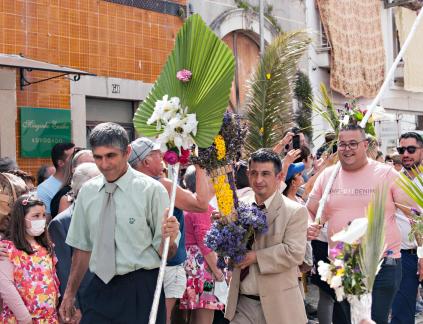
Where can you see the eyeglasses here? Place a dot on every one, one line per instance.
(409, 149)
(350, 145)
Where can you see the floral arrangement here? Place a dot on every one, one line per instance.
(229, 240)
(343, 274)
(353, 114)
(356, 259)
(224, 194)
(226, 146)
(177, 125)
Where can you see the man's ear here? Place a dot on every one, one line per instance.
(60, 163)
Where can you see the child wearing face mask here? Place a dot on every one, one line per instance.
(29, 286)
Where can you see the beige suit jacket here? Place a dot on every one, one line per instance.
(279, 253)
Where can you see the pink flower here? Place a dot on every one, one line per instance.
(184, 158)
(171, 157)
(184, 75)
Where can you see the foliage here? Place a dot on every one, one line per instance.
(233, 133)
(269, 99)
(354, 264)
(304, 94)
(326, 109)
(267, 13)
(372, 245)
(199, 50)
(414, 190)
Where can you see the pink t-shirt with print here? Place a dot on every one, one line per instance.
(350, 196)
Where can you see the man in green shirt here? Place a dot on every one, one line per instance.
(118, 229)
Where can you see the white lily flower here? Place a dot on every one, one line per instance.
(190, 124)
(323, 269)
(340, 294)
(336, 282)
(353, 232)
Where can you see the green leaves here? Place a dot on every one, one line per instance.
(373, 243)
(325, 108)
(269, 99)
(211, 62)
(411, 188)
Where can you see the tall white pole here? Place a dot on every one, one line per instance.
(391, 72)
(261, 26)
(173, 172)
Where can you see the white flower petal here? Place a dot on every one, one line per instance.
(353, 232)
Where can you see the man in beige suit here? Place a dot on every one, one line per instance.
(269, 292)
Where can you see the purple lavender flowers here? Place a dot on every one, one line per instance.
(229, 240)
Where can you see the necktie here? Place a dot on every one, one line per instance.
(105, 246)
(244, 272)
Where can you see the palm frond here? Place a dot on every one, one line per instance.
(269, 98)
(373, 243)
(325, 108)
(413, 188)
(198, 49)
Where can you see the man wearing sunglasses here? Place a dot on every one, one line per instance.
(357, 180)
(404, 306)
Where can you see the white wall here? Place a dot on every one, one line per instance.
(8, 112)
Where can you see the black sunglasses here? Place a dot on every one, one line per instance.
(409, 149)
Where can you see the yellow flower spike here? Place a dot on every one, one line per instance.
(220, 147)
(261, 130)
(268, 75)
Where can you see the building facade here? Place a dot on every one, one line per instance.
(124, 44)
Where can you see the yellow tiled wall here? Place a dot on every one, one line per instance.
(100, 37)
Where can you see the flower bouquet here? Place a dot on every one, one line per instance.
(186, 105)
(356, 259)
(229, 239)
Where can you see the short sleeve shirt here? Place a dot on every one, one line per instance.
(140, 205)
(350, 195)
(47, 190)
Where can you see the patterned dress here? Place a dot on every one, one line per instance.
(199, 292)
(36, 281)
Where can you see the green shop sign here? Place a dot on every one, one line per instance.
(41, 129)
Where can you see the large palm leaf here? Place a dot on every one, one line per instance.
(373, 243)
(212, 65)
(269, 99)
(326, 109)
(413, 188)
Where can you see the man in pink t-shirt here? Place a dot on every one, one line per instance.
(351, 192)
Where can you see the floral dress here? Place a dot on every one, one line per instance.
(199, 292)
(37, 283)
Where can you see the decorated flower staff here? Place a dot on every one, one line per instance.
(356, 259)
(187, 103)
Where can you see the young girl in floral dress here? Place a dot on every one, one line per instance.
(28, 281)
(200, 266)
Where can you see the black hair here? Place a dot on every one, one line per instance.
(353, 127)
(109, 134)
(264, 155)
(18, 228)
(58, 152)
(414, 135)
(241, 178)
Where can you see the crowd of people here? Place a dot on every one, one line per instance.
(83, 243)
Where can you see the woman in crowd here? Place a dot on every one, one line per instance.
(28, 283)
(200, 265)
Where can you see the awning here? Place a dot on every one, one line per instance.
(25, 64)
